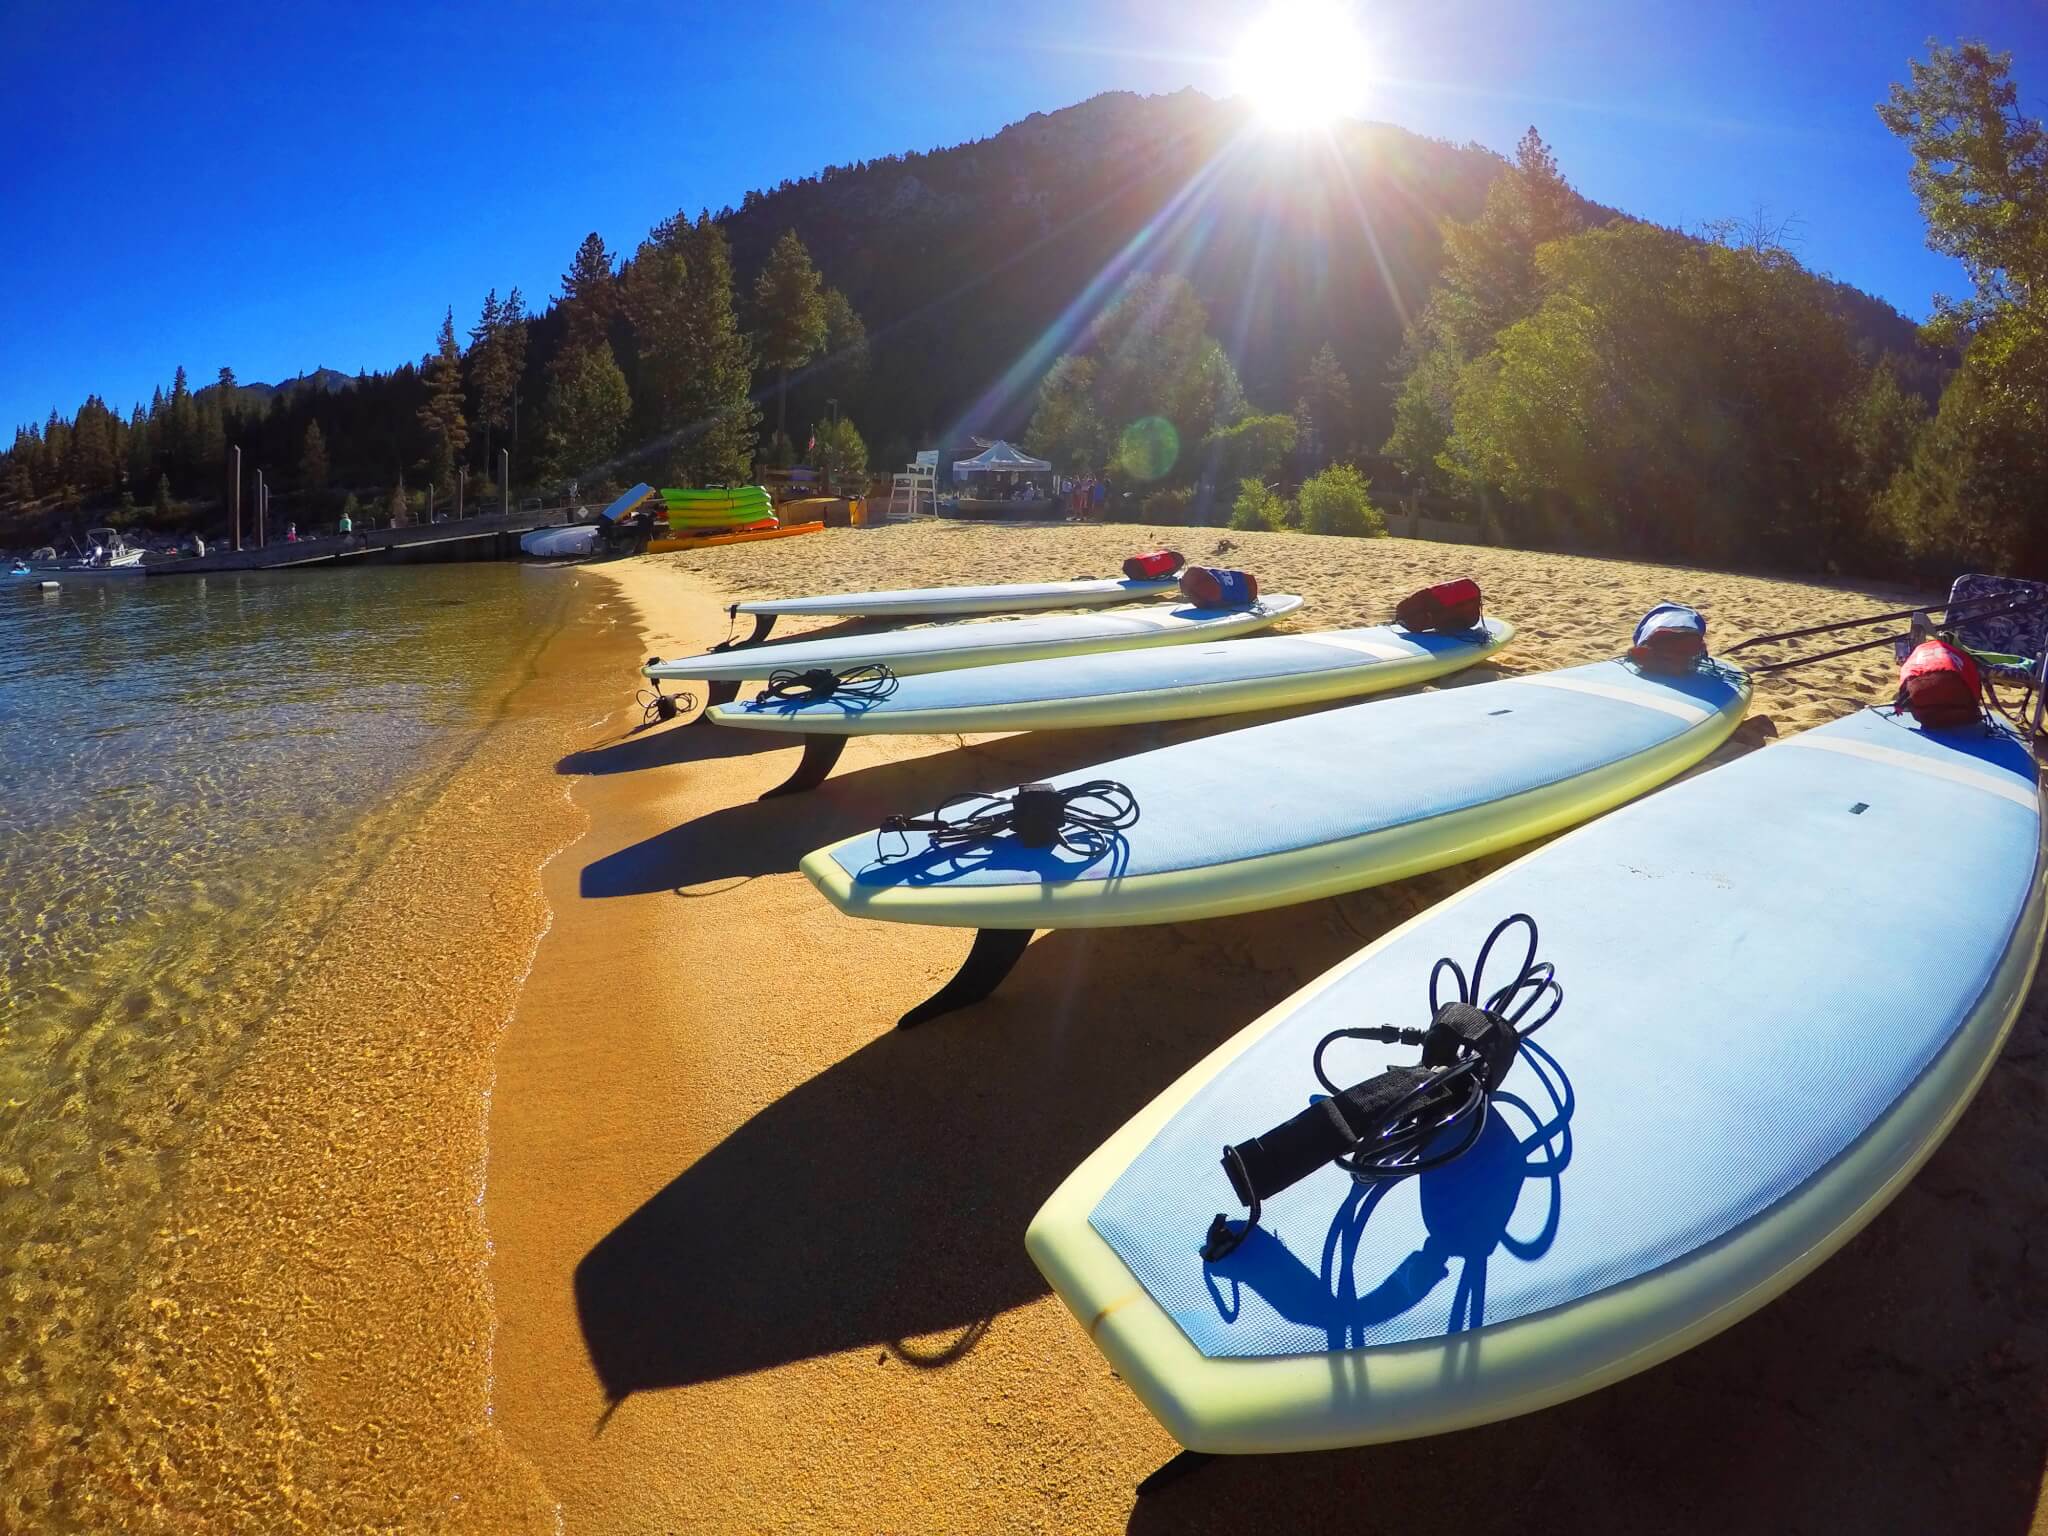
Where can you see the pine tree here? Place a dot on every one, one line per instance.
(794, 322)
(399, 508)
(181, 441)
(694, 363)
(230, 394)
(442, 414)
(587, 407)
(163, 497)
(1326, 390)
(313, 462)
(56, 453)
(489, 373)
(846, 350)
(589, 301)
(211, 446)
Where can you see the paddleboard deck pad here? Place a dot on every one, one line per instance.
(954, 602)
(908, 652)
(1119, 688)
(1783, 980)
(1311, 806)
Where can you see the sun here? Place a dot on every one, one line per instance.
(1301, 64)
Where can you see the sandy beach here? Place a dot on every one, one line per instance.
(306, 1339)
(756, 1257)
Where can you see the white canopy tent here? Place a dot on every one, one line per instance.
(999, 458)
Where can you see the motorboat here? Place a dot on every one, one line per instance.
(103, 553)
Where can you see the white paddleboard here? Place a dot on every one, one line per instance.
(1313, 805)
(1122, 687)
(1018, 597)
(1783, 981)
(933, 649)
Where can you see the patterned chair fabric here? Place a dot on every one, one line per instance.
(2020, 631)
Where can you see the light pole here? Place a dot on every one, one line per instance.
(504, 482)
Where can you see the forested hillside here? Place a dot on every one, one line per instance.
(1142, 287)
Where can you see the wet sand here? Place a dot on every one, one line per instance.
(307, 1346)
(758, 1259)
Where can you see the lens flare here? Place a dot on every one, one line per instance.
(1302, 64)
(1148, 448)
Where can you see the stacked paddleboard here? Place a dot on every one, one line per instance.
(719, 509)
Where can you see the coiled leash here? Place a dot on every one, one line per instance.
(873, 682)
(1082, 818)
(656, 705)
(1384, 1127)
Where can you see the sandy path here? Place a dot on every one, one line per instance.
(758, 1256)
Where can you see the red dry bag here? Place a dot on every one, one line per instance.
(1157, 566)
(1209, 587)
(1446, 606)
(1938, 686)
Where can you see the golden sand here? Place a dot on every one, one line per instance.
(758, 1256)
(306, 1346)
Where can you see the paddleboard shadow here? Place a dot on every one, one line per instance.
(878, 1201)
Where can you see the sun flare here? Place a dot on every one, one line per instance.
(1302, 64)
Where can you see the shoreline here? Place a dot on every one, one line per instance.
(758, 1255)
(309, 1342)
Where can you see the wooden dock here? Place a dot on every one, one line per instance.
(493, 537)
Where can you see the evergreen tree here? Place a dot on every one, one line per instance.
(1154, 385)
(723, 415)
(513, 351)
(181, 441)
(230, 394)
(1065, 428)
(586, 410)
(1488, 282)
(842, 454)
(140, 458)
(1327, 390)
(1882, 424)
(89, 456)
(399, 509)
(794, 320)
(163, 498)
(56, 453)
(589, 301)
(19, 483)
(846, 349)
(441, 414)
(211, 443)
(491, 372)
(313, 462)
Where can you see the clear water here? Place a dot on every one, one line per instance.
(192, 773)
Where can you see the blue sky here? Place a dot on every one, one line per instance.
(277, 187)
